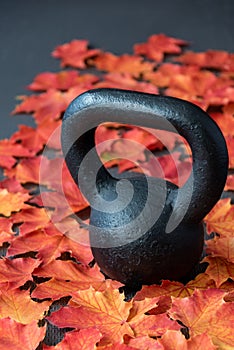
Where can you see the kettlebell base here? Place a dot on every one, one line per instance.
(174, 257)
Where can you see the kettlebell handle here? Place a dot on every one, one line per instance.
(209, 151)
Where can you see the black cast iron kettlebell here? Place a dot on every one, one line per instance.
(144, 229)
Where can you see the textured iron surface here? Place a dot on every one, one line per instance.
(156, 254)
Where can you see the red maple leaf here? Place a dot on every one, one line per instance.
(62, 80)
(74, 53)
(133, 65)
(46, 247)
(221, 60)
(16, 336)
(158, 45)
(206, 312)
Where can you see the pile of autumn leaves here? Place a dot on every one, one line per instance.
(42, 265)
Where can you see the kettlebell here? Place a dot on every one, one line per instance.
(144, 229)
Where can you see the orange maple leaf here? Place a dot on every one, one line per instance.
(230, 146)
(96, 308)
(85, 339)
(117, 346)
(165, 73)
(49, 243)
(175, 289)
(225, 119)
(133, 65)
(157, 45)
(16, 272)
(16, 336)
(201, 85)
(222, 247)
(219, 269)
(229, 186)
(113, 317)
(62, 80)
(9, 150)
(81, 275)
(27, 170)
(127, 82)
(48, 105)
(175, 340)
(6, 232)
(31, 219)
(221, 218)
(74, 53)
(12, 202)
(221, 60)
(66, 197)
(207, 312)
(34, 139)
(18, 305)
(144, 343)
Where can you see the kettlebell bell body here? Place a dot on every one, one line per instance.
(144, 229)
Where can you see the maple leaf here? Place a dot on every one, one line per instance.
(54, 174)
(16, 336)
(126, 82)
(219, 269)
(85, 339)
(157, 45)
(221, 218)
(106, 131)
(221, 60)
(6, 232)
(107, 311)
(133, 65)
(13, 186)
(145, 343)
(165, 73)
(18, 305)
(9, 150)
(201, 84)
(176, 289)
(55, 289)
(12, 202)
(27, 170)
(172, 340)
(81, 275)
(225, 119)
(48, 105)
(229, 186)
(16, 272)
(145, 137)
(62, 80)
(137, 141)
(230, 147)
(66, 198)
(31, 219)
(199, 305)
(74, 53)
(50, 132)
(49, 243)
(34, 139)
(170, 167)
(117, 346)
(29, 138)
(200, 342)
(222, 247)
(113, 317)
(207, 312)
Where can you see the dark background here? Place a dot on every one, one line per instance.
(30, 29)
